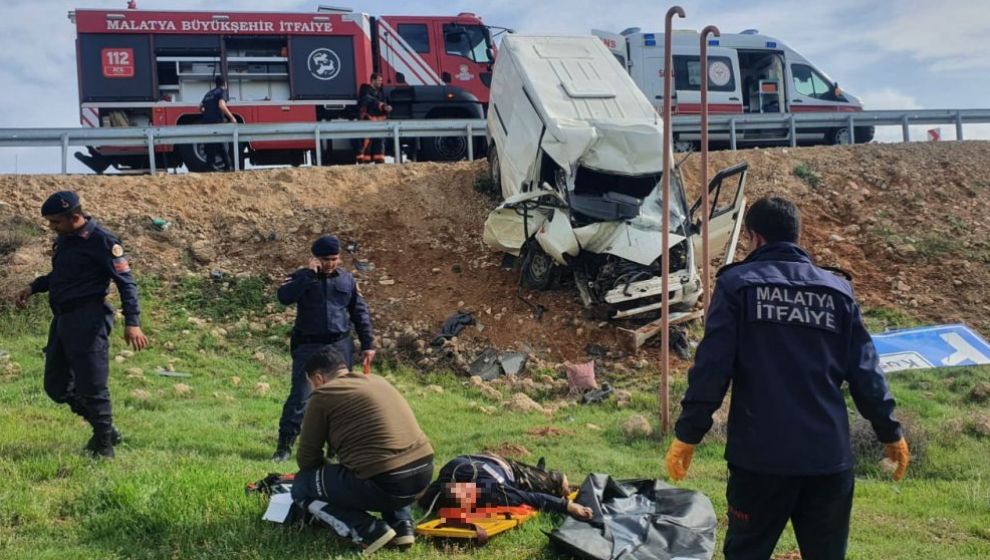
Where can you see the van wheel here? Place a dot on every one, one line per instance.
(538, 269)
(494, 171)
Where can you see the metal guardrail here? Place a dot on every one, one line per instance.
(794, 122)
(237, 133)
(398, 129)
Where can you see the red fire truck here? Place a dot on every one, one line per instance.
(152, 68)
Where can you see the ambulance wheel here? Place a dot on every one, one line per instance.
(839, 137)
(538, 269)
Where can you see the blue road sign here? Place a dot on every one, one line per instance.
(931, 347)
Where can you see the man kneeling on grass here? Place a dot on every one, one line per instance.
(385, 460)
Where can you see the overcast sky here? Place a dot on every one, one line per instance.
(894, 54)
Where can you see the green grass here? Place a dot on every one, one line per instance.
(175, 489)
(804, 172)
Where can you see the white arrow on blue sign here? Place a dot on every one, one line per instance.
(931, 347)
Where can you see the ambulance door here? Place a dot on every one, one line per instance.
(723, 81)
(725, 195)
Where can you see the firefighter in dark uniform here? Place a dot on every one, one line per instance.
(215, 111)
(373, 106)
(85, 258)
(327, 303)
(786, 335)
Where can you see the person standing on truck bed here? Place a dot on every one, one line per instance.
(85, 258)
(787, 335)
(215, 111)
(373, 106)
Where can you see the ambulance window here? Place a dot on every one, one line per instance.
(416, 34)
(687, 73)
(468, 41)
(810, 83)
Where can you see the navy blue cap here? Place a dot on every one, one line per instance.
(326, 246)
(60, 202)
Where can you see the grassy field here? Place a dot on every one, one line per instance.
(175, 489)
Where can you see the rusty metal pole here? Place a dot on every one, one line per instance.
(706, 258)
(668, 134)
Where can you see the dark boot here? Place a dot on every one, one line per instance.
(101, 446)
(284, 450)
(405, 534)
(113, 435)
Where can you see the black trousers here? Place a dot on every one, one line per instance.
(218, 149)
(761, 504)
(77, 362)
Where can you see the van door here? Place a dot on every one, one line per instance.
(725, 193)
(723, 81)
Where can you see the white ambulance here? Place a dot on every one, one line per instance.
(748, 73)
(575, 150)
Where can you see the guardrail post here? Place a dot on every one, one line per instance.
(237, 150)
(959, 133)
(396, 144)
(905, 129)
(852, 130)
(732, 134)
(65, 154)
(793, 132)
(470, 142)
(151, 151)
(319, 146)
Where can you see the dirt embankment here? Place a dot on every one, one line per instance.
(909, 221)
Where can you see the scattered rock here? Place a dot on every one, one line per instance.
(637, 426)
(182, 389)
(235, 381)
(622, 397)
(120, 359)
(489, 410)
(980, 393)
(435, 389)
(140, 394)
(202, 252)
(134, 372)
(521, 402)
(261, 388)
(593, 427)
(386, 282)
(259, 356)
(490, 393)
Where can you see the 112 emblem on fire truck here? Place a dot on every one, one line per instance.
(323, 64)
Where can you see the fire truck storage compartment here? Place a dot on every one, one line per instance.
(323, 67)
(186, 65)
(116, 67)
(257, 68)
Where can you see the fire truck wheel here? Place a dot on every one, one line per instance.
(443, 148)
(194, 157)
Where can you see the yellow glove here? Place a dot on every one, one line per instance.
(679, 459)
(897, 452)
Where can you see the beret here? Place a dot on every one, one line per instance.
(59, 202)
(326, 246)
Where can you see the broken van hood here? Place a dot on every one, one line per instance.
(626, 148)
(624, 240)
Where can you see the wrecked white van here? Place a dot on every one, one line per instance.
(575, 148)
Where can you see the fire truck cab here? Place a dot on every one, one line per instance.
(152, 68)
(747, 73)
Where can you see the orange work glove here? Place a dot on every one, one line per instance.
(898, 453)
(679, 459)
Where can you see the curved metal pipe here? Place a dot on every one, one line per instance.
(706, 259)
(668, 74)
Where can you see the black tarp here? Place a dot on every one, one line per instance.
(638, 520)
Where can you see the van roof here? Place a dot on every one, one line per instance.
(579, 79)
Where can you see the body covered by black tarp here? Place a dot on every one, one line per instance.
(639, 520)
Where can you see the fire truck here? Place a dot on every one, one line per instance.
(151, 68)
